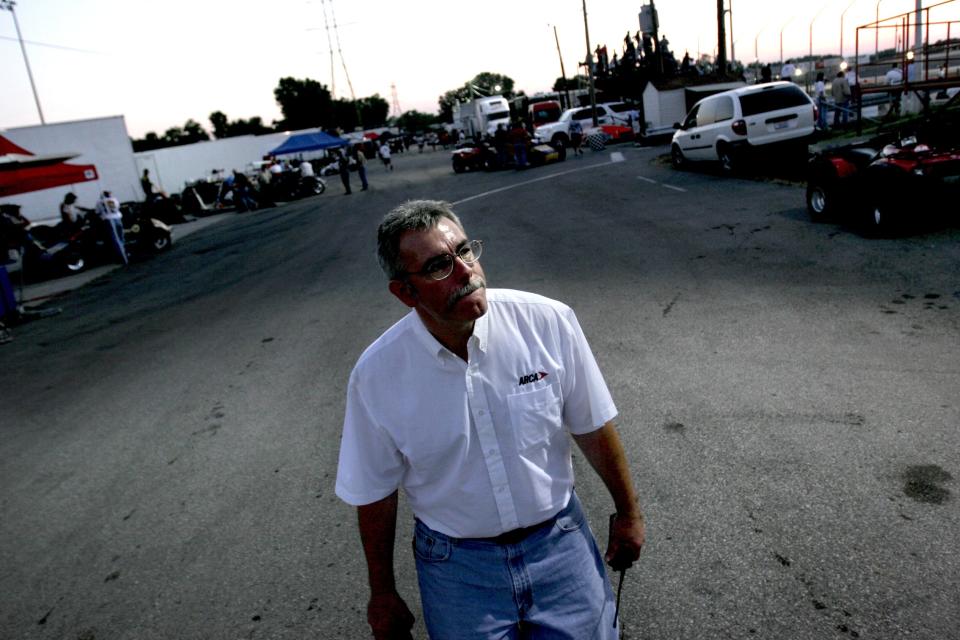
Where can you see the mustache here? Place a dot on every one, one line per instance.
(465, 290)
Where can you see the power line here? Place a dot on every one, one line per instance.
(34, 43)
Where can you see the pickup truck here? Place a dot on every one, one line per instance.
(556, 132)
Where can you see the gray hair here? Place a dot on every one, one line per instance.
(413, 215)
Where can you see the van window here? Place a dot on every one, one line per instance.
(691, 119)
(724, 109)
(583, 114)
(707, 115)
(773, 100)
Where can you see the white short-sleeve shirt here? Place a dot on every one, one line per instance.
(479, 447)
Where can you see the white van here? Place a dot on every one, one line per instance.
(727, 125)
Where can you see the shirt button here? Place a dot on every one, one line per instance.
(482, 412)
(491, 452)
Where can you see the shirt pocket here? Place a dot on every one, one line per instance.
(536, 416)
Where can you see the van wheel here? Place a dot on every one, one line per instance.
(676, 157)
(725, 155)
(559, 140)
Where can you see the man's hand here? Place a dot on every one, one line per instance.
(627, 535)
(389, 617)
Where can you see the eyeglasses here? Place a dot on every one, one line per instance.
(440, 267)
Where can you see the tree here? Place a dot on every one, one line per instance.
(570, 84)
(415, 120)
(482, 84)
(225, 128)
(304, 103)
(219, 121)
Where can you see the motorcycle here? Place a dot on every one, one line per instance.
(144, 234)
(44, 253)
(290, 185)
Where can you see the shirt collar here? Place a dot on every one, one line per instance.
(481, 331)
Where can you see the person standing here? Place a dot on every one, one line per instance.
(361, 159)
(787, 71)
(894, 78)
(465, 404)
(576, 136)
(147, 185)
(385, 155)
(840, 90)
(519, 137)
(820, 91)
(108, 209)
(343, 166)
(69, 216)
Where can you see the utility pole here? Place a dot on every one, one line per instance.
(9, 5)
(733, 51)
(721, 40)
(563, 74)
(593, 95)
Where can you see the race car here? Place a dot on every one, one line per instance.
(474, 156)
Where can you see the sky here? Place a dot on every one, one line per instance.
(162, 62)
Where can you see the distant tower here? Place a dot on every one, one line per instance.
(396, 101)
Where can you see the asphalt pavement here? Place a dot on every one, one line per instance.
(47, 291)
(787, 395)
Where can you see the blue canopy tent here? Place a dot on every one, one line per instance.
(301, 142)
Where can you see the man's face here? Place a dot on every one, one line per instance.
(451, 303)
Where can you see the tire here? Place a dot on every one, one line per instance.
(821, 196)
(727, 161)
(74, 263)
(161, 242)
(319, 187)
(458, 166)
(559, 140)
(561, 153)
(676, 157)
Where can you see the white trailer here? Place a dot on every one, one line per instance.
(482, 115)
(102, 142)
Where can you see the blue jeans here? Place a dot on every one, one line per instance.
(520, 152)
(551, 585)
(840, 112)
(821, 112)
(115, 228)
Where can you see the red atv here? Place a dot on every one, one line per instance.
(886, 185)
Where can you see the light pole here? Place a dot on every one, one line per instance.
(563, 73)
(810, 52)
(842, 13)
(876, 32)
(593, 95)
(9, 5)
(789, 20)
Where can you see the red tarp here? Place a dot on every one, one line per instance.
(23, 172)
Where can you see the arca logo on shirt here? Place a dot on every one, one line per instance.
(533, 377)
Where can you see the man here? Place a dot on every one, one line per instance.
(788, 70)
(361, 159)
(306, 169)
(840, 90)
(463, 404)
(894, 78)
(147, 186)
(385, 155)
(108, 209)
